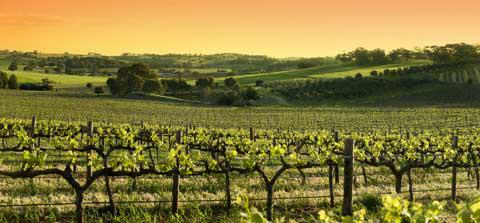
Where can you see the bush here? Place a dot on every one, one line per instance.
(89, 85)
(228, 98)
(305, 65)
(258, 83)
(152, 86)
(13, 66)
(250, 94)
(47, 81)
(99, 90)
(231, 82)
(36, 87)
(28, 68)
(372, 202)
(3, 80)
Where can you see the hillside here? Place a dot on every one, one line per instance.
(326, 71)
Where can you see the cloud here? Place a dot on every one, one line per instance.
(30, 20)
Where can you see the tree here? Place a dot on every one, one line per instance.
(361, 56)
(358, 76)
(174, 86)
(3, 80)
(115, 87)
(377, 56)
(89, 85)
(132, 78)
(453, 53)
(13, 66)
(138, 69)
(230, 82)
(12, 82)
(373, 73)
(59, 68)
(344, 57)
(394, 55)
(99, 90)
(134, 83)
(152, 86)
(203, 83)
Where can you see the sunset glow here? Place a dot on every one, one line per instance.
(278, 28)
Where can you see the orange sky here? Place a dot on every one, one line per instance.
(277, 28)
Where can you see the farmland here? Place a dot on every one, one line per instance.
(71, 154)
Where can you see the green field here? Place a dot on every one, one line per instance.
(61, 80)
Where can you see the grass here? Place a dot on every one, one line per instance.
(53, 190)
(415, 109)
(61, 80)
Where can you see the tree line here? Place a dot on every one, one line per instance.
(446, 54)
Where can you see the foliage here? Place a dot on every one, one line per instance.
(130, 79)
(3, 79)
(13, 66)
(12, 82)
(175, 86)
(203, 83)
(36, 87)
(469, 212)
(152, 86)
(231, 82)
(99, 90)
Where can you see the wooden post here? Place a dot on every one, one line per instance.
(454, 170)
(330, 185)
(348, 178)
(251, 134)
(477, 177)
(176, 176)
(32, 127)
(410, 185)
(89, 134)
(336, 167)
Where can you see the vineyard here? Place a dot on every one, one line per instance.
(101, 164)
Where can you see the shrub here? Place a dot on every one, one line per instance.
(89, 85)
(3, 80)
(228, 98)
(36, 87)
(372, 202)
(250, 94)
(99, 90)
(258, 83)
(47, 81)
(28, 68)
(152, 86)
(13, 66)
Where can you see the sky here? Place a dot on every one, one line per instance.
(277, 28)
